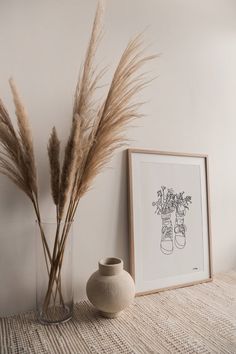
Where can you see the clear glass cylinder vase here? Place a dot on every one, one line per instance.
(54, 280)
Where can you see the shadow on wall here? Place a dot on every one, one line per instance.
(17, 246)
(17, 249)
(107, 236)
(122, 227)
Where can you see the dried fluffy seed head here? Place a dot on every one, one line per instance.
(54, 161)
(25, 139)
(69, 164)
(13, 161)
(116, 112)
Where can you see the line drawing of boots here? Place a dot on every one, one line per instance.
(167, 202)
(180, 229)
(165, 206)
(166, 244)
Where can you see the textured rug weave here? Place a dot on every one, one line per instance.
(197, 319)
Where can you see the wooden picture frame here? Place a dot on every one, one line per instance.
(161, 245)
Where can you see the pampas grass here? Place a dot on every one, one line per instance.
(54, 161)
(26, 140)
(96, 133)
(17, 155)
(68, 168)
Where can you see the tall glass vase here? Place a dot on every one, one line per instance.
(54, 281)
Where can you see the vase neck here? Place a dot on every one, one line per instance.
(110, 266)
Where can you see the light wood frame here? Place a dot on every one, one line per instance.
(131, 216)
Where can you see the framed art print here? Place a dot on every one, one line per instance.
(170, 244)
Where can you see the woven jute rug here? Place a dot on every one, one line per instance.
(197, 319)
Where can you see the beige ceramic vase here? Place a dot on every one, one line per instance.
(110, 289)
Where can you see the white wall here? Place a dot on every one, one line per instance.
(191, 108)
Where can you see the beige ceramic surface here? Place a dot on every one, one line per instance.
(110, 289)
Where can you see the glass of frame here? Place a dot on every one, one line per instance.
(170, 243)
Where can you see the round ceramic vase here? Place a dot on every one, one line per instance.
(110, 289)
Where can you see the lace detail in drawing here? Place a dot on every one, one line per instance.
(166, 204)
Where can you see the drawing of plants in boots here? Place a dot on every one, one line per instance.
(181, 205)
(165, 205)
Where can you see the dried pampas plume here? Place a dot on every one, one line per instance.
(17, 155)
(54, 161)
(25, 138)
(116, 111)
(68, 168)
